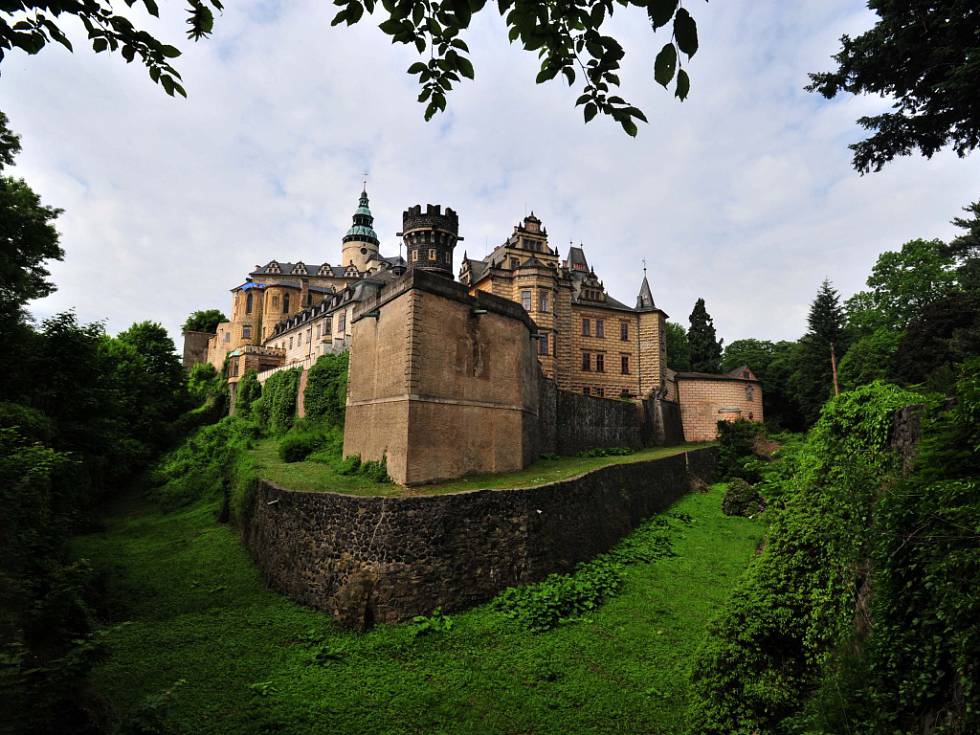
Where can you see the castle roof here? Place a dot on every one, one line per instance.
(742, 373)
(644, 299)
(577, 262)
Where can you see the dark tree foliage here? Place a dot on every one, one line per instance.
(704, 346)
(965, 248)
(924, 54)
(206, 320)
(569, 36)
(826, 320)
(946, 333)
(678, 352)
(773, 364)
(27, 238)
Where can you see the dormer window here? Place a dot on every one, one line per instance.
(274, 267)
(300, 269)
(324, 270)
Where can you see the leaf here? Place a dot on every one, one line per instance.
(151, 8)
(354, 12)
(665, 64)
(629, 126)
(465, 67)
(569, 73)
(590, 111)
(683, 85)
(128, 53)
(99, 45)
(391, 26)
(170, 52)
(661, 11)
(686, 32)
(417, 68)
(463, 13)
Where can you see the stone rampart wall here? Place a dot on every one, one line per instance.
(371, 559)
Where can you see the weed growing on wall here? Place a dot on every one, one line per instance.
(561, 598)
(325, 397)
(276, 410)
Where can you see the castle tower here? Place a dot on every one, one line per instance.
(653, 341)
(361, 241)
(430, 237)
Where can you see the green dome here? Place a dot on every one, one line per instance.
(362, 230)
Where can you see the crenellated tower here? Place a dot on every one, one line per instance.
(361, 242)
(430, 238)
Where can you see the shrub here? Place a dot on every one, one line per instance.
(325, 397)
(300, 441)
(741, 499)
(737, 442)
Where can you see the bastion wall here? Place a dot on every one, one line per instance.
(374, 559)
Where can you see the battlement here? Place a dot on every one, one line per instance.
(434, 218)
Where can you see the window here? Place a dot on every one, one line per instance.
(526, 300)
(285, 303)
(543, 343)
(586, 391)
(624, 331)
(624, 364)
(749, 393)
(601, 392)
(290, 343)
(327, 325)
(514, 262)
(317, 330)
(227, 336)
(309, 333)
(586, 331)
(248, 303)
(275, 301)
(432, 253)
(246, 332)
(342, 323)
(309, 298)
(415, 256)
(600, 363)
(600, 327)
(543, 305)
(449, 257)
(586, 361)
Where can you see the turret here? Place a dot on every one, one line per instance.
(361, 241)
(430, 238)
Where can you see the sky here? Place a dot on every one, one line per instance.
(743, 194)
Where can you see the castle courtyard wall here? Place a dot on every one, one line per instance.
(706, 401)
(374, 559)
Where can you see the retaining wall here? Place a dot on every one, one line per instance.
(368, 559)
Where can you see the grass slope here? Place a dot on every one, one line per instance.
(191, 606)
(318, 477)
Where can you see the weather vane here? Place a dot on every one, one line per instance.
(644, 261)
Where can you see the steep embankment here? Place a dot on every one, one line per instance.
(192, 607)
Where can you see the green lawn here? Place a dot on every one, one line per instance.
(190, 605)
(318, 477)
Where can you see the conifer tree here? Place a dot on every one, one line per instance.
(705, 347)
(827, 324)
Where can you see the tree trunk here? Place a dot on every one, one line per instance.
(833, 368)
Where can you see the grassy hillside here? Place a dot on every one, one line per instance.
(189, 605)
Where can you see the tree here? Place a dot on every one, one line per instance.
(826, 322)
(965, 248)
(678, 353)
(701, 339)
(28, 239)
(871, 358)
(902, 284)
(946, 333)
(204, 321)
(567, 35)
(922, 54)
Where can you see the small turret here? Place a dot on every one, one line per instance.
(361, 241)
(430, 238)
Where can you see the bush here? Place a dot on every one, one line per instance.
(302, 440)
(737, 440)
(325, 397)
(741, 499)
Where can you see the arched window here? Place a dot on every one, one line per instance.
(248, 303)
(285, 303)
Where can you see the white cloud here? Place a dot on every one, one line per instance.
(743, 194)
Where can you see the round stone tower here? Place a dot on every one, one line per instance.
(430, 237)
(361, 241)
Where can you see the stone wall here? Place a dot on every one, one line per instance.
(585, 422)
(706, 400)
(371, 559)
(195, 348)
(442, 384)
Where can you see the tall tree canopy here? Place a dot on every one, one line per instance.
(902, 284)
(925, 54)
(570, 37)
(826, 320)
(705, 348)
(204, 321)
(678, 353)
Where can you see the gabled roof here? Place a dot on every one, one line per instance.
(289, 269)
(577, 262)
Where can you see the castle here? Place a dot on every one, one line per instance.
(551, 316)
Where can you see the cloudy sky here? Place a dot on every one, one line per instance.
(743, 194)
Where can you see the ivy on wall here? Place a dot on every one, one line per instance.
(326, 390)
(276, 409)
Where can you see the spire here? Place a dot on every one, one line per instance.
(644, 299)
(363, 228)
